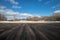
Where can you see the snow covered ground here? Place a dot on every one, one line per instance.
(29, 21)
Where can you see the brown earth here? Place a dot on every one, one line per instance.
(30, 31)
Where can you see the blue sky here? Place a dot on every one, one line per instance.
(34, 7)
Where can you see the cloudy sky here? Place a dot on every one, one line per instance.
(29, 7)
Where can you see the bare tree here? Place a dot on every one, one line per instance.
(2, 17)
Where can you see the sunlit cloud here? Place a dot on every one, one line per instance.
(29, 15)
(15, 6)
(26, 14)
(2, 7)
(10, 12)
(37, 16)
(58, 11)
(13, 2)
(47, 2)
(53, 6)
(58, 5)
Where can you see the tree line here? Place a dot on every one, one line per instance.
(45, 18)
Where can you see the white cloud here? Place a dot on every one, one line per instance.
(13, 2)
(29, 15)
(12, 13)
(53, 6)
(15, 6)
(2, 10)
(26, 14)
(47, 2)
(58, 11)
(2, 7)
(37, 15)
(8, 12)
(58, 5)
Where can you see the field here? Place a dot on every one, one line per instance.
(30, 31)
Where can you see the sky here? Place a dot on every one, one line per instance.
(29, 7)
